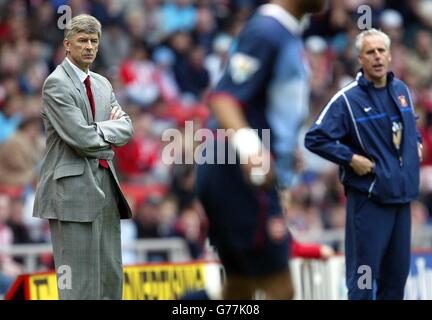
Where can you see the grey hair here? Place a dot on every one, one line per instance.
(371, 32)
(83, 23)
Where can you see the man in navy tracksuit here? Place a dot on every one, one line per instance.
(369, 129)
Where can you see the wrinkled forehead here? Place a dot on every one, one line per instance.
(373, 42)
(85, 36)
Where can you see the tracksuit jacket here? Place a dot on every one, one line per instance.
(356, 122)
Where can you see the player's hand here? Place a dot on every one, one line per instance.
(361, 165)
(116, 113)
(258, 170)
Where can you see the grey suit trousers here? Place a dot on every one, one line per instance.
(90, 250)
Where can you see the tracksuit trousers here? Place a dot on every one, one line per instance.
(377, 248)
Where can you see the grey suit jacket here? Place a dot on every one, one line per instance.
(67, 188)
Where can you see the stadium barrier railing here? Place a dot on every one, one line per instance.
(175, 249)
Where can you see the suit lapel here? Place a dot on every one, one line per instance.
(72, 75)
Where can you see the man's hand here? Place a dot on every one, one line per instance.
(361, 165)
(254, 157)
(116, 113)
(258, 170)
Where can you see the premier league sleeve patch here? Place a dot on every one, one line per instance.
(242, 67)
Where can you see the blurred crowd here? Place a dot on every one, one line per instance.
(162, 57)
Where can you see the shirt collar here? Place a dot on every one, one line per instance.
(81, 74)
(362, 81)
(283, 17)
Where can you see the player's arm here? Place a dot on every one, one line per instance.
(248, 70)
(229, 114)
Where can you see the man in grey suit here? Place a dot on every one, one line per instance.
(78, 189)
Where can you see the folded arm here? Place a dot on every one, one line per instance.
(118, 130)
(68, 121)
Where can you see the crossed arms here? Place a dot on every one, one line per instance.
(67, 119)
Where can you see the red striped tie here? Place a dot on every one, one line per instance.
(102, 162)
